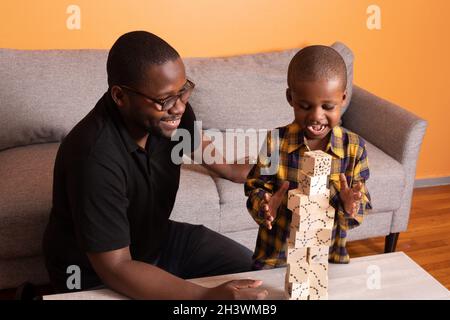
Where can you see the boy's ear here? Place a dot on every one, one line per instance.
(289, 96)
(344, 96)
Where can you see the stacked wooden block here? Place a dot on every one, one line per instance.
(310, 230)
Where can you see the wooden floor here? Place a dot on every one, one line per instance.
(427, 240)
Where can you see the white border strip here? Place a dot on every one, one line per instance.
(431, 182)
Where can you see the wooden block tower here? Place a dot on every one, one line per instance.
(310, 230)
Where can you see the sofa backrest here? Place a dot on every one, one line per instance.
(44, 93)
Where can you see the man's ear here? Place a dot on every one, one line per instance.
(289, 96)
(117, 95)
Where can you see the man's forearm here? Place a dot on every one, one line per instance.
(139, 280)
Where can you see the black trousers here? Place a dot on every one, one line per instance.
(193, 251)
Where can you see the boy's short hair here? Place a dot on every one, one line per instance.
(132, 53)
(317, 62)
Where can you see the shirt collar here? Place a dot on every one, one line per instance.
(296, 139)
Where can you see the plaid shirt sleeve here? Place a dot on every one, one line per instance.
(258, 185)
(360, 174)
(357, 171)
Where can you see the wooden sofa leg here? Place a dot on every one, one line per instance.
(390, 242)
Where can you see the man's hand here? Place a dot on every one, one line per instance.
(351, 198)
(269, 205)
(238, 290)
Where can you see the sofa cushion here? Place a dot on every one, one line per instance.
(25, 198)
(247, 91)
(197, 199)
(26, 195)
(387, 180)
(245, 237)
(233, 211)
(375, 224)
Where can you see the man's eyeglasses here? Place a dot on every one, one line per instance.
(169, 102)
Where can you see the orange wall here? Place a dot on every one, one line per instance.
(407, 61)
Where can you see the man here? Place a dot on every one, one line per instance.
(115, 186)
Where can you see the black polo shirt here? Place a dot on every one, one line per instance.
(109, 193)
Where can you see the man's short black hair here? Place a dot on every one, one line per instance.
(317, 63)
(132, 53)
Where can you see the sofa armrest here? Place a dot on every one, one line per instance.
(396, 131)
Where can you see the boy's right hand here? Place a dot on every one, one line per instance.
(269, 205)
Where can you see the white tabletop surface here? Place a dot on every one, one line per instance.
(386, 276)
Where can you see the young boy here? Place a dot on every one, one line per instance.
(316, 91)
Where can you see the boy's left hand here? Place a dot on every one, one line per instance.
(350, 197)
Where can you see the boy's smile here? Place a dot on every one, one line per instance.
(317, 106)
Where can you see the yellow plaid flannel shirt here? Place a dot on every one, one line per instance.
(349, 157)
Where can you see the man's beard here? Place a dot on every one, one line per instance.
(154, 130)
(157, 131)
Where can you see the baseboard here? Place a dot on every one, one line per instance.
(431, 182)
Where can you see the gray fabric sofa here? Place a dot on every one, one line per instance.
(43, 94)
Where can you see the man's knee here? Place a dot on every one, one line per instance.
(232, 253)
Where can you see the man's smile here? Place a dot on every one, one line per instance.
(170, 123)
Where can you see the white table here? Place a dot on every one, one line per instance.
(386, 276)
